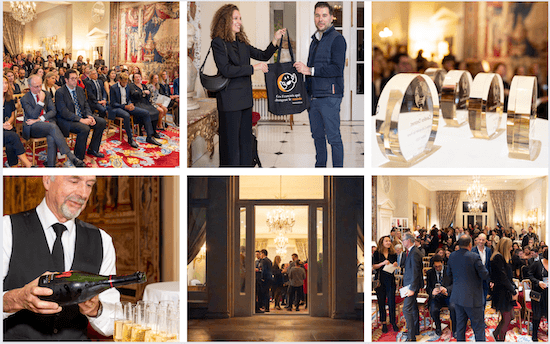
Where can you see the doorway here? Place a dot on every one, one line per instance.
(283, 232)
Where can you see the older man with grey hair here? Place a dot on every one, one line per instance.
(412, 281)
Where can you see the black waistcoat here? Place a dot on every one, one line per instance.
(30, 258)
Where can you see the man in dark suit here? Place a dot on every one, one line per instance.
(97, 96)
(526, 237)
(467, 272)
(438, 287)
(39, 122)
(485, 255)
(413, 280)
(121, 106)
(74, 115)
(99, 62)
(266, 278)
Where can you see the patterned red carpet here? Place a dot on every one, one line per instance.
(120, 154)
(427, 334)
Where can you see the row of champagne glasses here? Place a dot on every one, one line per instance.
(146, 322)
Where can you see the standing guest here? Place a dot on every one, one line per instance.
(467, 273)
(277, 286)
(266, 278)
(74, 115)
(325, 85)
(494, 238)
(39, 121)
(504, 294)
(287, 271)
(437, 282)
(538, 274)
(385, 255)
(15, 150)
(97, 96)
(305, 283)
(99, 61)
(154, 87)
(232, 53)
(485, 255)
(296, 276)
(418, 243)
(400, 255)
(120, 105)
(258, 279)
(413, 281)
(51, 238)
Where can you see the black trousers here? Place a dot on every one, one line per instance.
(82, 131)
(438, 302)
(235, 138)
(386, 291)
(14, 147)
(410, 311)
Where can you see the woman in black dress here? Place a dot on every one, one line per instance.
(538, 274)
(277, 287)
(140, 97)
(385, 255)
(232, 53)
(12, 142)
(504, 294)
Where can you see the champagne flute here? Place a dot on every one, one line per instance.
(139, 328)
(151, 319)
(128, 323)
(118, 321)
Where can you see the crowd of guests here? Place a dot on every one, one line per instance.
(283, 284)
(60, 96)
(466, 269)
(385, 67)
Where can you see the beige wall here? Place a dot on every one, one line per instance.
(170, 253)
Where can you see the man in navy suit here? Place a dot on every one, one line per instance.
(439, 297)
(40, 122)
(74, 115)
(485, 255)
(121, 106)
(412, 278)
(97, 96)
(467, 272)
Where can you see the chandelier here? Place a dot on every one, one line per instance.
(476, 193)
(280, 244)
(23, 11)
(280, 220)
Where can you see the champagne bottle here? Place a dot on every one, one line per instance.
(73, 287)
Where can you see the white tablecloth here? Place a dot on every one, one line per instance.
(458, 149)
(162, 291)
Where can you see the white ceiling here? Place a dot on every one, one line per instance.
(41, 6)
(461, 183)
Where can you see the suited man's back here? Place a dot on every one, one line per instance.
(468, 273)
(413, 270)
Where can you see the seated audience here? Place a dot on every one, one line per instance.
(437, 282)
(74, 115)
(15, 150)
(49, 85)
(97, 96)
(140, 96)
(153, 87)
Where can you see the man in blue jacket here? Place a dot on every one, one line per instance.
(325, 86)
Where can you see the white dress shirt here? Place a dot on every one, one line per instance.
(122, 94)
(482, 254)
(104, 322)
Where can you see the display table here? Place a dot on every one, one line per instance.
(202, 122)
(162, 291)
(458, 149)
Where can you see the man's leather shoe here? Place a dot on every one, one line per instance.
(156, 135)
(78, 163)
(438, 332)
(152, 141)
(96, 154)
(133, 144)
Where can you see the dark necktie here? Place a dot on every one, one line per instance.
(76, 104)
(57, 252)
(98, 91)
(439, 277)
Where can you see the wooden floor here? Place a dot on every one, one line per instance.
(275, 328)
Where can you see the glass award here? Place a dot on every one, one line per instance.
(407, 117)
(486, 106)
(522, 112)
(455, 94)
(438, 76)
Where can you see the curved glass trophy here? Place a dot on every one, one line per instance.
(407, 118)
(486, 106)
(438, 76)
(522, 112)
(455, 95)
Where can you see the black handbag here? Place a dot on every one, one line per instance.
(535, 296)
(214, 83)
(286, 88)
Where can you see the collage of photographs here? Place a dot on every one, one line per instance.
(457, 171)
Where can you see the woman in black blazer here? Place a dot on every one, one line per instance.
(232, 53)
(538, 271)
(385, 255)
(504, 294)
(140, 97)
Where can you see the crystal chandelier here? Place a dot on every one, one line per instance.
(23, 11)
(280, 220)
(280, 244)
(476, 193)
